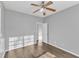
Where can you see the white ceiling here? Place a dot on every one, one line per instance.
(25, 7)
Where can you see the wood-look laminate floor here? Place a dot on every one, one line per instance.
(35, 51)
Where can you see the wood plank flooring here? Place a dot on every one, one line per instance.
(35, 51)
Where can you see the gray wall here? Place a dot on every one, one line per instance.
(2, 37)
(19, 24)
(64, 29)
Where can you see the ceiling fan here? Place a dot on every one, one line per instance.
(43, 7)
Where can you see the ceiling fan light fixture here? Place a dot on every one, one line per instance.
(42, 9)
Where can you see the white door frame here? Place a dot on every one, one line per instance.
(36, 33)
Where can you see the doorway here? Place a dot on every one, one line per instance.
(41, 33)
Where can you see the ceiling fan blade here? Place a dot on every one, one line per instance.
(48, 3)
(35, 5)
(51, 9)
(36, 10)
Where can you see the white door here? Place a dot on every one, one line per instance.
(41, 32)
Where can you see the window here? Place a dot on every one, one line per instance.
(18, 42)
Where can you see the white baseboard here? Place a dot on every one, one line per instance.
(2, 55)
(64, 49)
